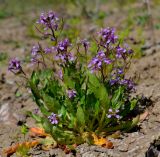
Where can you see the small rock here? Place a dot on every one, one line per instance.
(123, 147)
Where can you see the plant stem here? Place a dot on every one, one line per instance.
(101, 121)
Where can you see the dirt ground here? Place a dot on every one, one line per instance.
(140, 142)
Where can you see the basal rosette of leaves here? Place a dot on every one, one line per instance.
(75, 93)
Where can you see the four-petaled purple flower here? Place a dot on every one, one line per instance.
(97, 62)
(71, 93)
(14, 65)
(113, 113)
(35, 53)
(53, 118)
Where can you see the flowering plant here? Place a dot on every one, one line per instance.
(76, 94)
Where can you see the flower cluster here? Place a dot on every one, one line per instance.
(71, 93)
(14, 65)
(48, 20)
(129, 83)
(35, 53)
(122, 52)
(53, 118)
(113, 113)
(107, 36)
(63, 45)
(62, 52)
(98, 61)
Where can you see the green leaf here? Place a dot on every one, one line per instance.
(99, 90)
(51, 103)
(93, 80)
(97, 108)
(65, 137)
(34, 78)
(68, 80)
(133, 103)
(80, 117)
(46, 125)
(24, 129)
(117, 97)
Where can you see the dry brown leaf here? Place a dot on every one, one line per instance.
(102, 142)
(11, 150)
(144, 115)
(38, 132)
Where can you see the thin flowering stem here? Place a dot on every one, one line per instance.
(39, 30)
(102, 74)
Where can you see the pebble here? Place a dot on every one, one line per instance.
(123, 147)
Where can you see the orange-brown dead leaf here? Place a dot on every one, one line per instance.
(102, 142)
(11, 150)
(144, 115)
(38, 132)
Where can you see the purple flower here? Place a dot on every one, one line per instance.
(130, 51)
(120, 52)
(109, 116)
(35, 53)
(71, 93)
(129, 83)
(113, 81)
(63, 45)
(59, 74)
(117, 116)
(53, 118)
(14, 65)
(97, 62)
(85, 44)
(35, 50)
(35, 111)
(120, 71)
(48, 20)
(113, 113)
(48, 50)
(108, 36)
(65, 57)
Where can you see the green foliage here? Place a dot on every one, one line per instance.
(22, 151)
(85, 113)
(24, 129)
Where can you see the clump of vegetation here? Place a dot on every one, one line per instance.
(76, 94)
